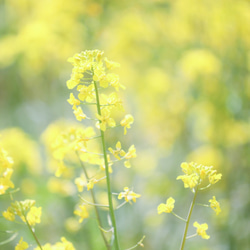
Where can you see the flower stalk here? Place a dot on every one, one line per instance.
(184, 237)
(111, 207)
(95, 207)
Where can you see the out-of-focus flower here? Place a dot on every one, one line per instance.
(201, 230)
(167, 207)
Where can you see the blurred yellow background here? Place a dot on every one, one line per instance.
(185, 65)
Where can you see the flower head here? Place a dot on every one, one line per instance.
(128, 195)
(215, 205)
(201, 229)
(73, 101)
(166, 208)
(79, 114)
(126, 122)
(82, 213)
(118, 152)
(196, 174)
(105, 119)
(22, 245)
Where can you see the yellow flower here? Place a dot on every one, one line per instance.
(201, 229)
(126, 122)
(196, 173)
(131, 152)
(34, 215)
(63, 245)
(214, 178)
(128, 195)
(5, 183)
(190, 181)
(166, 208)
(73, 101)
(127, 164)
(5, 160)
(86, 92)
(6, 171)
(118, 151)
(9, 214)
(111, 64)
(105, 119)
(22, 245)
(74, 80)
(79, 114)
(83, 213)
(91, 183)
(113, 79)
(215, 205)
(115, 101)
(80, 183)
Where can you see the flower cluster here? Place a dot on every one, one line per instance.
(195, 177)
(88, 74)
(26, 210)
(6, 171)
(196, 174)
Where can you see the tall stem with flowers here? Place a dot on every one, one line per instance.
(196, 177)
(96, 86)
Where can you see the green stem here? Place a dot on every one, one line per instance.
(179, 217)
(188, 219)
(33, 233)
(111, 207)
(94, 201)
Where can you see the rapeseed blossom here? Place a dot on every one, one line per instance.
(168, 207)
(26, 210)
(82, 213)
(126, 122)
(128, 195)
(118, 152)
(22, 245)
(201, 230)
(6, 171)
(196, 174)
(105, 119)
(215, 205)
(63, 245)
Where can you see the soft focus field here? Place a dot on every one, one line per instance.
(185, 65)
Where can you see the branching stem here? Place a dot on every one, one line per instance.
(94, 201)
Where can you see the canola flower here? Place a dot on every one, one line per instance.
(201, 230)
(215, 205)
(196, 174)
(168, 207)
(197, 177)
(93, 85)
(128, 195)
(64, 245)
(22, 245)
(26, 210)
(6, 171)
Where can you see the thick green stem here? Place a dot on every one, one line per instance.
(111, 207)
(96, 208)
(188, 219)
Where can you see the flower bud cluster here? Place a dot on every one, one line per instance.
(196, 174)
